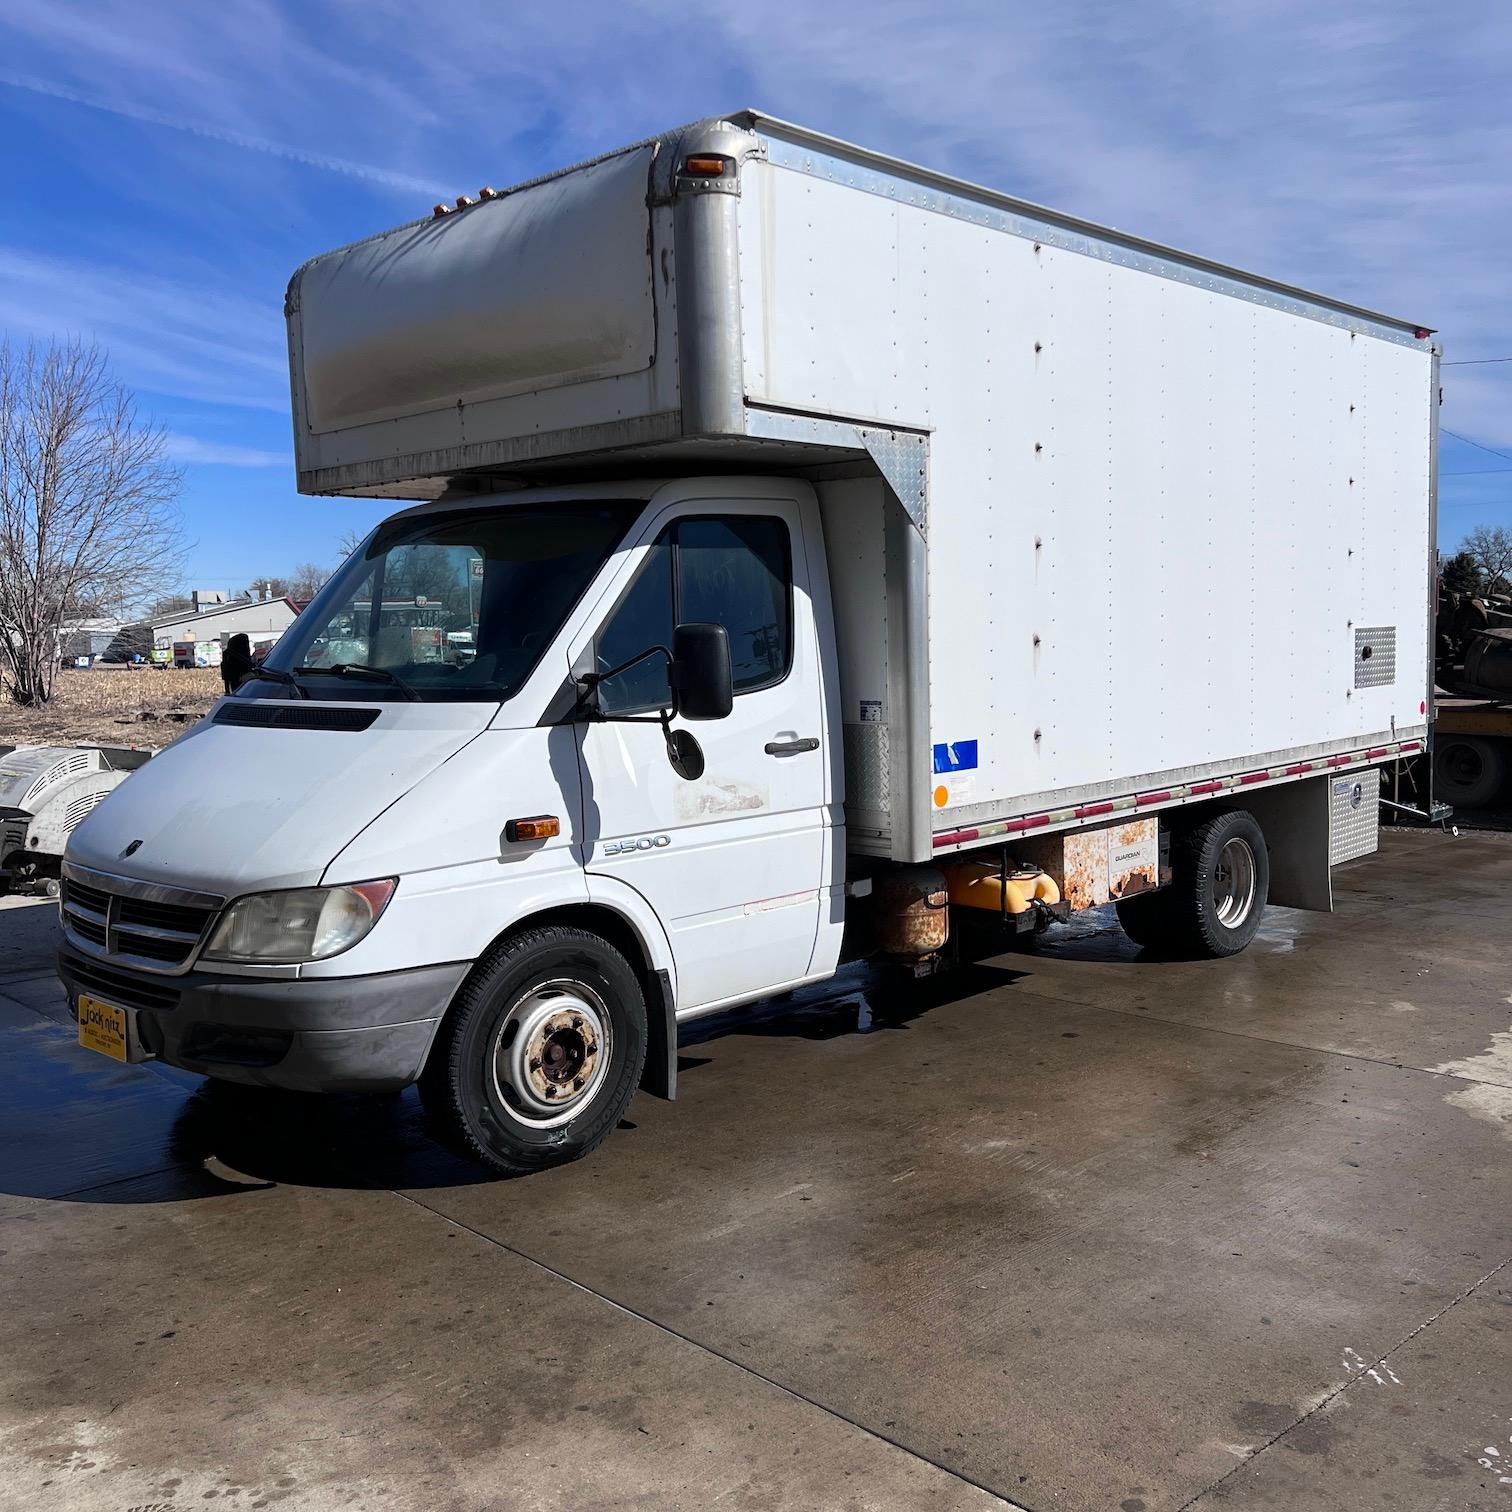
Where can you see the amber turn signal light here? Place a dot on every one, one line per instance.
(541, 827)
(705, 167)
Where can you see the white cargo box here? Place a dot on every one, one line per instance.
(1110, 527)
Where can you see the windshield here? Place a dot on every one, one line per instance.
(456, 606)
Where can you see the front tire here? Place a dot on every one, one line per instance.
(540, 1054)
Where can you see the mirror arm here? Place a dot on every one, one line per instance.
(593, 679)
(588, 685)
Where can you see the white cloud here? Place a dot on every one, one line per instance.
(302, 155)
(1358, 148)
(190, 337)
(193, 451)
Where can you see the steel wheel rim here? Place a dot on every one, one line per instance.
(552, 1052)
(1234, 882)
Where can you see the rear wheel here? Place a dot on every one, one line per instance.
(1220, 876)
(1468, 770)
(542, 1051)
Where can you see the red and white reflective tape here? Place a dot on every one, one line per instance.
(1024, 822)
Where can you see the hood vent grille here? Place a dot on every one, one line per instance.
(273, 713)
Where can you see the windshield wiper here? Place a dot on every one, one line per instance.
(276, 674)
(362, 669)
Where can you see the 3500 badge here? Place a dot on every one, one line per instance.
(643, 843)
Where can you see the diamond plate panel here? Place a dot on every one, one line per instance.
(1375, 656)
(903, 459)
(867, 768)
(1354, 814)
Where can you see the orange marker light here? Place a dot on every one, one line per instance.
(706, 167)
(541, 827)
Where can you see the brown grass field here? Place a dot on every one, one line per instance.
(113, 707)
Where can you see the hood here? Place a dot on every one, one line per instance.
(232, 809)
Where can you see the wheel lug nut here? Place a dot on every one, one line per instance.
(577, 1082)
(535, 1064)
(550, 1090)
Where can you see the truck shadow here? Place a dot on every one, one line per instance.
(176, 1138)
(859, 999)
(241, 1137)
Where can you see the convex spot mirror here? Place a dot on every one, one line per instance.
(685, 754)
(702, 681)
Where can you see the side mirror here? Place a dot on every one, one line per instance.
(701, 675)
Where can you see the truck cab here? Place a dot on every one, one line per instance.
(396, 817)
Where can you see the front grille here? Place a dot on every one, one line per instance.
(88, 897)
(120, 987)
(87, 929)
(161, 936)
(151, 948)
(175, 916)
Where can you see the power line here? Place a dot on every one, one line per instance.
(1478, 445)
(1475, 472)
(1476, 362)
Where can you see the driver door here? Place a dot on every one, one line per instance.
(732, 863)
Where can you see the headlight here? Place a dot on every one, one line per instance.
(305, 924)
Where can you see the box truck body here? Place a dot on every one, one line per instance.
(1016, 528)
(1157, 511)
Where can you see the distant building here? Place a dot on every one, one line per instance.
(262, 621)
(81, 641)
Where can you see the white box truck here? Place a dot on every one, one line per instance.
(807, 556)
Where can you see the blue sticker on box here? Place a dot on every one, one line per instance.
(955, 756)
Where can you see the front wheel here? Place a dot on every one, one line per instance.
(541, 1052)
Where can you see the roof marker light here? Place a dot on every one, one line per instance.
(706, 167)
(437, 211)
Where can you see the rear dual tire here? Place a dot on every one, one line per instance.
(540, 1053)
(1220, 877)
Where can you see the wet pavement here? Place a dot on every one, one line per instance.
(1075, 1228)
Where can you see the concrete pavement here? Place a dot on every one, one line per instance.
(1073, 1229)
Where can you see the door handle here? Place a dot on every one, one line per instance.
(792, 747)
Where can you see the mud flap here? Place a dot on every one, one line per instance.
(1296, 824)
(660, 1076)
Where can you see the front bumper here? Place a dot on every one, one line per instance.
(309, 1034)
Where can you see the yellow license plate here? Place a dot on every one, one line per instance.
(103, 1027)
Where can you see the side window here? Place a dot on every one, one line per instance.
(643, 618)
(734, 572)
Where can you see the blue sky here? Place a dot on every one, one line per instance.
(164, 167)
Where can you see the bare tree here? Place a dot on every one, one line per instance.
(88, 516)
(308, 579)
(349, 541)
(1490, 548)
(266, 587)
